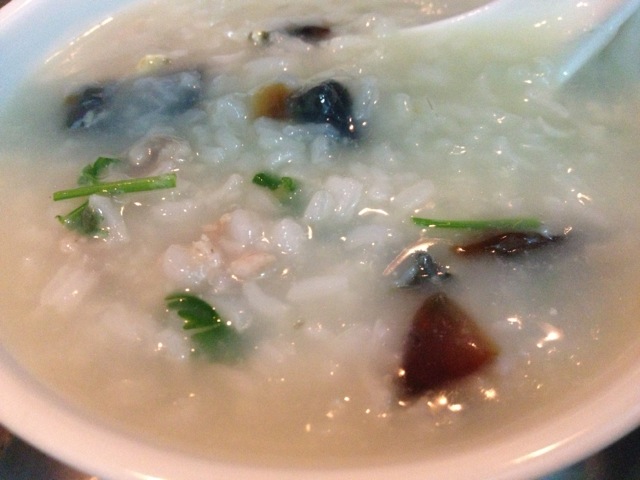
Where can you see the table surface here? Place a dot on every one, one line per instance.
(20, 461)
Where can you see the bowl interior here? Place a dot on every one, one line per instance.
(555, 435)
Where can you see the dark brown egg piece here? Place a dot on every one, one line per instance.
(443, 345)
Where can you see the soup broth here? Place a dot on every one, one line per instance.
(443, 132)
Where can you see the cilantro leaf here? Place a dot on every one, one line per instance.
(196, 312)
(214, 339)
(84, 220)
(93, 173)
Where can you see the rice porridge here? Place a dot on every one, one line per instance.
(221, 195)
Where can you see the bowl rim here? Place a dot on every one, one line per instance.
(32, 411)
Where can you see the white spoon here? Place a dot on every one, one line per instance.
(567, 33)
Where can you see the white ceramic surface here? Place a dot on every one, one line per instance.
(34, 29)
(567, 31)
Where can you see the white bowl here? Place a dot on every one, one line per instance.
(539, 444)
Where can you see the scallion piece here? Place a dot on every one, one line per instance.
(496, 224)
(284, 188)
(131, 185)
(267, 180)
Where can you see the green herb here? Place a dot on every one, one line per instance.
(498, 224)
(288, 185)
(196, 312)
(130, 185)
(93, 173)
(84, 219)
(284, 188)
(215, 339)
(263, 179)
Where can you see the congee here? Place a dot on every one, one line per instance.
(282, 232)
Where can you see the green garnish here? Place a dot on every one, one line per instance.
(93, 173)
(196, 312)
(215, 339)
(130, 185)
(284, 188)
(83, 219)
(497, 224)
(273, 182)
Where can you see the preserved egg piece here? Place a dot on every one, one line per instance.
(330, 102)
(169, 94)
(415, 268)
(124, 104)
(88, 108)
(271, 101)
(509, 243)
(443, 344)
(309, 33)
